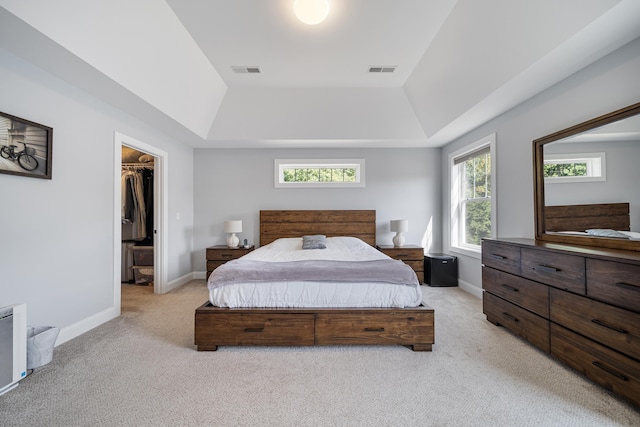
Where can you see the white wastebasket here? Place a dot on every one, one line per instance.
(40, 343)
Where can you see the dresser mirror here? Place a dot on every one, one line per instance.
(587, 182)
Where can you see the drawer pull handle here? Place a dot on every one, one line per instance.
(610, 371)
(374, 329)
(613, 328)
(496, 256)
(628, 286)
(253, 329)
(510, 317)
(226, 255)
(511, 288)
(547, 269)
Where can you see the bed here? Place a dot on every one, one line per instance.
(609, 220)
(325, 323)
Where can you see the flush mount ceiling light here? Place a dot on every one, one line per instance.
(311, 12)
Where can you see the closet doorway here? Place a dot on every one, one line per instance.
(138, 228)
(133, 233)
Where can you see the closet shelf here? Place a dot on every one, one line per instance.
(137, 165)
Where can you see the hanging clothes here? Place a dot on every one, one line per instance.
(133, 202)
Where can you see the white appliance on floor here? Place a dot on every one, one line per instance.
(13, 346)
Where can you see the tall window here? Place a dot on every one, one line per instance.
(472, 201)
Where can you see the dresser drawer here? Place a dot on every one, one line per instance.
(529, 326)
(411, 255)
(255, 329)
(406, 254)
(531, 295)
(226, 254)
(608, 368)
(500, 256)
(555, 269)
(212, 265)
(417, 266)
(611, 326)
(391, 328)
(614, 282)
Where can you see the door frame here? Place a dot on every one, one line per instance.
(160, 213)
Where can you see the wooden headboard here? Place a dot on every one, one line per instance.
(297, 223)
(613, 216)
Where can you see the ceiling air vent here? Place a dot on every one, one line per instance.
(382, 68)
(253, 69)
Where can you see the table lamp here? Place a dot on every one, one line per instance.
(232, 227)
(399, 226)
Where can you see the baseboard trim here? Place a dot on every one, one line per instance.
(472, 289)
(176, 283)
(70, 332)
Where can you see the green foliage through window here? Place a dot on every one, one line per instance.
(319, 174)
(556, 170)
(476, 203)
(477, 221)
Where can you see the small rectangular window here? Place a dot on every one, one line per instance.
(574, 167)
(319, 173)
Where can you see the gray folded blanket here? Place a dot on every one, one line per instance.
(242, 271)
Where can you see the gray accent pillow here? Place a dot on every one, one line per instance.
(606, 232)
(317, 241)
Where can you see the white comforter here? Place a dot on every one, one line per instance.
(315, 293)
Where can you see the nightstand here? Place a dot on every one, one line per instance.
(219, 254)
(411, 255)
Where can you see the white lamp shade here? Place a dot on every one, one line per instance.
(233, 226)
(399, 225)
(311, 12)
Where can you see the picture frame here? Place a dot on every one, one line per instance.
(25, 147)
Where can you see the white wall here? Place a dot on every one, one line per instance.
(57, 236)
(370, 117)
(238, 183)
(602, 87)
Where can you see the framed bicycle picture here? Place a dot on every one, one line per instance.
(25, 147)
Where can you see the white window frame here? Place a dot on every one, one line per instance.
(596, 167)
(456, 225)
(281, 164)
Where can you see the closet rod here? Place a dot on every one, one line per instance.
(137, 165)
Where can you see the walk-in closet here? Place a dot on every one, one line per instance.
(137, 217)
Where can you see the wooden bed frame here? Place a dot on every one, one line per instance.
(613, 216)
(216, 326)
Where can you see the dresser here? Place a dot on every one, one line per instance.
(219, 254)
(580, 304)
(411, 255)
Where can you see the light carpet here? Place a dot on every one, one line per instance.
(142, 369)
